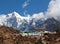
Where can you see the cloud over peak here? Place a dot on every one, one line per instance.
(53, 9)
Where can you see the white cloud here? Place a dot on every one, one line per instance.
(38, 16)
(53, 9)
(26, 3)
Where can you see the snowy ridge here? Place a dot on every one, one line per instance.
(21, 22)
(29, 23)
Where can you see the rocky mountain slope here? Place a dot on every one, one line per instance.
(9, 35)
(50, 38)
(50, 24)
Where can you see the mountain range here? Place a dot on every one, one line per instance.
(28, 23)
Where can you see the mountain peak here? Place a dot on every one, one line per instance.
(15, 14)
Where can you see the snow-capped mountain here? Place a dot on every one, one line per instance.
(50, 24)
(24, 23)
(28, 23)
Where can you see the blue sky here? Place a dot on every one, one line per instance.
(31, 7)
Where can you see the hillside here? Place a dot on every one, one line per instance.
(50, 38)
(9, 35)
